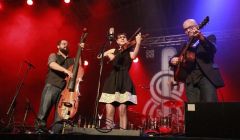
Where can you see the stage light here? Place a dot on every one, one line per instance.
(30, 2)
(67, 1)
(1, 6)
(135, 60)
(85, 63)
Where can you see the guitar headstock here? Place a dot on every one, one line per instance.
(204, 22)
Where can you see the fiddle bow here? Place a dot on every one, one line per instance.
(131, 42)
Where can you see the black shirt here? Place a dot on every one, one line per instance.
(54, 77)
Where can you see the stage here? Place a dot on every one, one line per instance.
(29, 34)
(114, 134)
(202, 121)
(97, 137)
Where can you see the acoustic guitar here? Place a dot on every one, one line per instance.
(179, 72)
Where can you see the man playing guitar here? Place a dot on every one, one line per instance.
(202, 76)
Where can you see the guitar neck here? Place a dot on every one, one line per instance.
(189, 44)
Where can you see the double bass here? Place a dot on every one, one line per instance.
(68, 104)
(179, 72)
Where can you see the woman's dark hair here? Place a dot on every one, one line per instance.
(121, 34)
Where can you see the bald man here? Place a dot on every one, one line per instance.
(202, 76)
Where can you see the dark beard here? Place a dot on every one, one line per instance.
(65, 51)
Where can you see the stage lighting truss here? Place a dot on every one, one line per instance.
(162, 41)
(179, 39)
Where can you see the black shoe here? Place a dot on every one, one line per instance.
(41, 131)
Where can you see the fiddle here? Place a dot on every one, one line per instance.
(132, 43)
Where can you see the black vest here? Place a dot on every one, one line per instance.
(57, 78)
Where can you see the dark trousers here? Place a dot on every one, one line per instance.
(202, 91)
(49, 99)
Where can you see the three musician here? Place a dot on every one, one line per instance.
(202, 76)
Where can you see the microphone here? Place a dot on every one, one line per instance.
(110, 38)
(29, 64)
(111, 35)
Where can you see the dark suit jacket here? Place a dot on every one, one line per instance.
(205, 53)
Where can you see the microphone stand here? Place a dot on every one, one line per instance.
(99, 80)
(25, 116)
(28, 108)
(12, 106)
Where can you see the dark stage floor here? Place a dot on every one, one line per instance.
(97, 137)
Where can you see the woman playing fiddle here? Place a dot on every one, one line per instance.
(118, 90)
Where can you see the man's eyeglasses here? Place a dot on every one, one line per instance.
(190, 28)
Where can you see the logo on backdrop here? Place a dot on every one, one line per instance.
(163, 89)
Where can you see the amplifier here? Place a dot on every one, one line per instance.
(213, 120)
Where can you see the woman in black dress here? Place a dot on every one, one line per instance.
(118, 90)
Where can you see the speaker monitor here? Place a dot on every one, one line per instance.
(212, 120)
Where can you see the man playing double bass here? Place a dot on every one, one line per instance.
(202, 76)
(58, 64)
